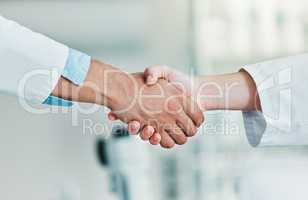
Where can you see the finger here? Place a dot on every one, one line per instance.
(152, 74)
(186, 124)
(133, 127)
(147, 133)
(177, 107)
(192, 109)
(155, 139)
(112, 116)
(181, 87)
(166, 141)
(177, 135)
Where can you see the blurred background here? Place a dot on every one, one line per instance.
(49, 157)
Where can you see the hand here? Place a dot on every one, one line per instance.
(167, 111)
(183, 82)
(152, 76)
(235, 91)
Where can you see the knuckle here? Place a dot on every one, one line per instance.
(192, 131)
(144, 136)
(202, 119)
(189, 131)
(182, 141)
(148, 72)
(173, 106)
(168, 145)
(152, 142)
(199, 119)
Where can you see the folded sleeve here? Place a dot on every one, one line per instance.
(31, 63)
(75, 70)
(282, 87)
(77, 66)
(56, 101)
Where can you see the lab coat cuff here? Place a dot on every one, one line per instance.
(256, 123)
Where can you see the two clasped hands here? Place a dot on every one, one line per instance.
(166, 106)
(161, 104)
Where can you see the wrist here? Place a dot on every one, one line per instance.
(235, 91)
(207, 92)
(102, 84)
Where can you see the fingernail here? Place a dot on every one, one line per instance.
(150, 79)
(135, 127)
(111, 117)
(157, 139)
(151, 129)
(133, 132)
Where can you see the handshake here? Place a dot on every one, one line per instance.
(159, 104)
(163, 105)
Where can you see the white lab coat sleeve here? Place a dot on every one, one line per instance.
(31, 63)
(283, 89)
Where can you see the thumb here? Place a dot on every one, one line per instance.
(112, 116)
(152, 74)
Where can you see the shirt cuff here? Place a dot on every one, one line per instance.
(75, 70)
(77, 67)
(255, 125)
(56, 101)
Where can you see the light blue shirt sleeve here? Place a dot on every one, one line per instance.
(75, 70)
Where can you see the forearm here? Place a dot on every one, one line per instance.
(99, 87)
(227, 92)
